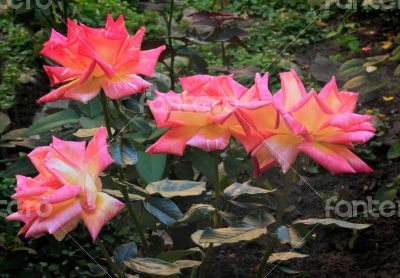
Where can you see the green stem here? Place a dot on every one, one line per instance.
(170, 44)
(106, 114)
(110, 262)
(217, 190)
(217, 216)
(224, 60)
(135, 221)
(273, 240)
(120, 108)
(271, 244)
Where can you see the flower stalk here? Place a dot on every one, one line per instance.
(106, 113)
(273, 240)
(136, 222)
(124, 191)
(110, 262)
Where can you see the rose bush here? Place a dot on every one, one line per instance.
(211, 114)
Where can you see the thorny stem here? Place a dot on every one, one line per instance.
(135, 221)
(123, 189)
(110, 262)
(106, 114)
(217, 190)
(217, 216)
(224, 58)
(273, 240)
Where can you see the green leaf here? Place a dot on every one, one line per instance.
(397, 71)
(237, 189)
(257, 219)
(187, 264)
(21, 167)
(172, 256)
(91, 109)
(230, 235)
(244, 193)
(203, 162)
(157, 133)
(151, 166)
(4, 122)
(141, 125)
(397, 39)
(331, 221)
(87, 122)
(395, 54)
(394, 151)
(173, 188)
(365, 84)
(285, 256)
(137, 190)
(197, 213)
(117, 194)
(385, 193)
(152, 266)
(123, 153)
(124, 252)
(138, 137)
(233, 167)
(52, 121)
(351, 68)
(356, 82)
(372, 61)
(164, 209)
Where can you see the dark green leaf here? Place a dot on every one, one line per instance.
(152, 266)
(124, 252)
(172, 256)
(284, 256)
(385, 193)
(197, 213)
(164, 209)
(203, 162)
(187, 263)
(4, 122)
(230, 235)
(91, 109)
(397, 71)
(257, 219)
(331, 221)
(372, 61)
(52, 121)
(351, 68)
(141, 125)
(21, 167)
(244, 193)
(394, 151)
(173, 188)
(151, 166)
(124, 153)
